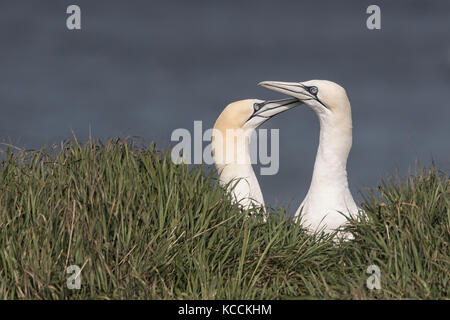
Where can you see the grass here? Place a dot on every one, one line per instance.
(141, 227)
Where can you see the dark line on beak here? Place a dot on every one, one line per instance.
(256, 114)
(305, 88)
(281, 105)
(287, 89)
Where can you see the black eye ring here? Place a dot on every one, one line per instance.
(313, 90)
(256, 106)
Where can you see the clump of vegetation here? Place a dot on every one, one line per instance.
(141, 227)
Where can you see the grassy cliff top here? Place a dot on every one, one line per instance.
(140, 227)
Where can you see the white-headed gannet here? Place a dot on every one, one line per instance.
(230, 145)
(329, 197)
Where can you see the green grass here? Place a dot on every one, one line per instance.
(141, 227)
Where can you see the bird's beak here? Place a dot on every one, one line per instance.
(293, 89)
(268, 109)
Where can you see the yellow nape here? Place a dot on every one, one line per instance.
(231, 121)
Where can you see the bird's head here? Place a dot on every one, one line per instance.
(234, 126)
(251, 113)
(328, 99)
(330, 102)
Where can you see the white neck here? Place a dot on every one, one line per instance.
(329, 193)
(331, 159)
(233, 163)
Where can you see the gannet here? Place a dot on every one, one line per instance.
(329, 201)
(231, 141)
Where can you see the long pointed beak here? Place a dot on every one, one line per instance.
(293, 89)
(268, 109)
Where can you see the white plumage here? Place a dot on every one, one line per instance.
(329, 201)
(230, 145)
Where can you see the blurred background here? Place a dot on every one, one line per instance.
(144, 68)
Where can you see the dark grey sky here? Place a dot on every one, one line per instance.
(145, 68)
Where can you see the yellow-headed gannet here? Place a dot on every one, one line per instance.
(329, 197)
(230, 145)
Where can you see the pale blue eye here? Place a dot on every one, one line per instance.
(313, 90)
(256, 106)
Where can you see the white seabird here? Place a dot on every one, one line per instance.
(231, 141)
(329, 201)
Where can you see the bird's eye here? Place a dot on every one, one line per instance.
(256, 106)
(313, 90)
